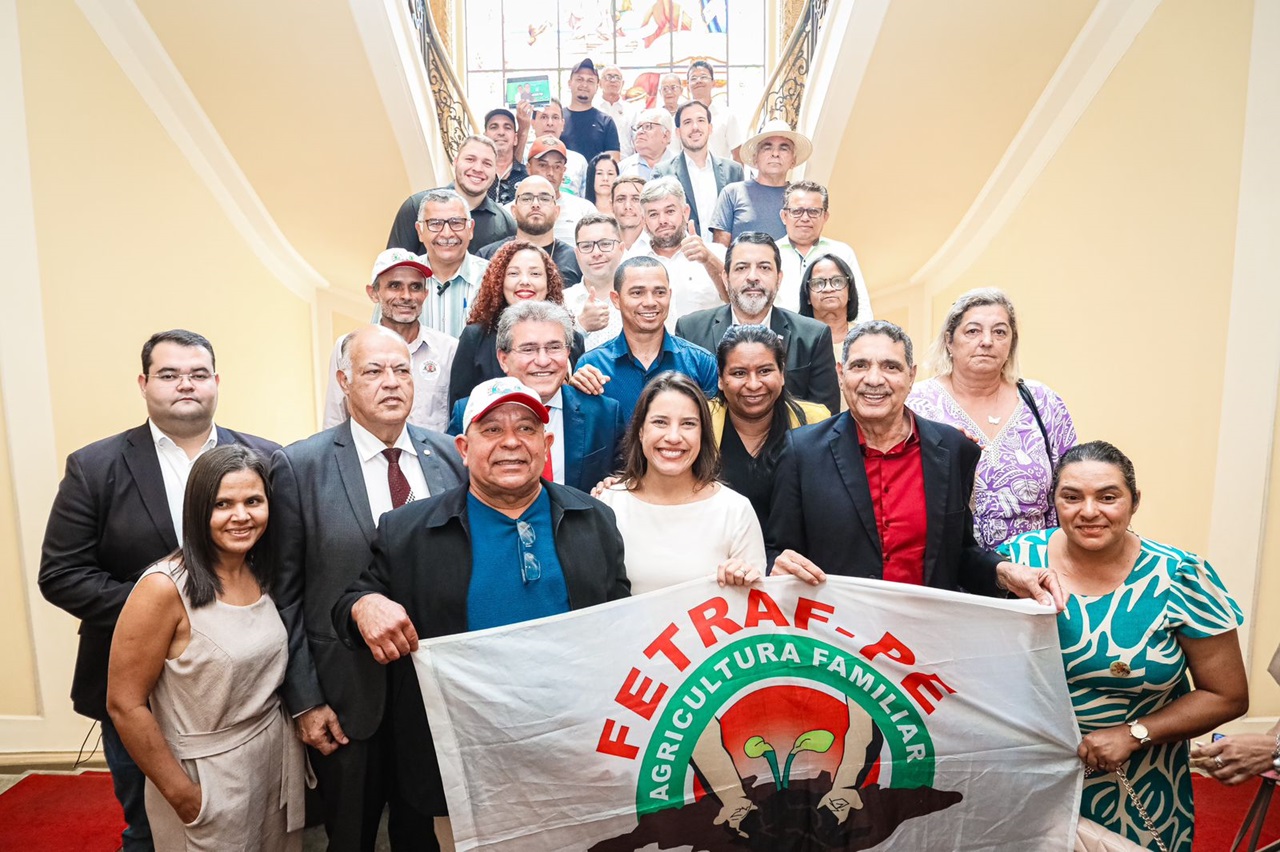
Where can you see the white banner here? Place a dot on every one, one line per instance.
(854, 715)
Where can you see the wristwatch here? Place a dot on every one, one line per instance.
(1139, 732)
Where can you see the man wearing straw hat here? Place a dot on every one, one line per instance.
(755, 204)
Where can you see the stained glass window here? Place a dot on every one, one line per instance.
(518, 42)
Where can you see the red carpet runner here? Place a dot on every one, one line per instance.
(61, 813)
(78, 813)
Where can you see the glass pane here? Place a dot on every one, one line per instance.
(747, 23)
(529, 33)
(484, 92)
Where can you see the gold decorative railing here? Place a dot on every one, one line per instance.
(453, 114)
(785, 89)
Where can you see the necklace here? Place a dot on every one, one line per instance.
(994, 421)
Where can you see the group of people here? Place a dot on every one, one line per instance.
(734, 408)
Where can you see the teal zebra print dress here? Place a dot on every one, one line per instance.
(1122, 661)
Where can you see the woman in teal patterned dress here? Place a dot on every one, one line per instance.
(1139, 616)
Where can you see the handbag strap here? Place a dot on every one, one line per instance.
(1137, 804)
(1025, 393)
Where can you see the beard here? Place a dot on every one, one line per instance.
(671, 240)
(749, 304)
(536, 229)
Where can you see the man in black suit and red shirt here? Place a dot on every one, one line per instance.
(118, 510)
(886, 492)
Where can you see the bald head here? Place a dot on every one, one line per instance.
(376, 376)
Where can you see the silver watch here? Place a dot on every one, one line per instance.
(1139, 732)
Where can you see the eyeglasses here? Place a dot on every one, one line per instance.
(170, 377)
(702, 78)
(539, 198)
(613, 78)
(588, 246)
(456, 223)
(671, 88)
(802, 212)
(530, 568)
(529, 350)
(647, 127)
(835, 282)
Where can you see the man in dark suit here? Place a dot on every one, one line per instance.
(752, 267)
(118, 510)
(701, 173)
(883, 493)
(534, 339)
(528, 547)
(328, 492)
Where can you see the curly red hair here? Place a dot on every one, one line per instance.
(491, 300)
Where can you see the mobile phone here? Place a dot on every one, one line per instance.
(1217, 737)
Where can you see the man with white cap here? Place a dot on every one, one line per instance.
(505, 547)
(755, 204)
(399, 289)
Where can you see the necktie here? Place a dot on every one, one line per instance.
(547, 473)
(395, 478)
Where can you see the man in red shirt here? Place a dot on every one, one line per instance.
(897, 506)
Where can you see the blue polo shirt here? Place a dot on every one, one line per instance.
(500, 593)
(627, 376)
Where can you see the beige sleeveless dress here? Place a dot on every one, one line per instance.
(218, 708)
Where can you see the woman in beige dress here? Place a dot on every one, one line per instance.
(198, 656)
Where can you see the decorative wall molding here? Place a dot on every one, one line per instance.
(1251, 374)
(129, 38)
(1102, 42)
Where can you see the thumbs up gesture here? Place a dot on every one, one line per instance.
(693, 247)
(595, 313)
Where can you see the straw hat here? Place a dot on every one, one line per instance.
(777, 127)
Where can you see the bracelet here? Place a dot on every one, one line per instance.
(1275, 755)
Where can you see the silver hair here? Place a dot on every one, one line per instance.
(531, 311)
(657, 115)
(939, 362)
(344, 348)
(441, 196)
(662, 188)
(888, 329)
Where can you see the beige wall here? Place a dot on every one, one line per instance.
(140, 224)
(1265, 692)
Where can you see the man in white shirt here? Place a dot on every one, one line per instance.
(694, 267)
(327, 494)
(652, 136)
(399, 288)
(598, 246)
(117, 511)
(805, 213)
(727, 135)
(609, 100)
(456, 271)
(626, 209)
(702, 174)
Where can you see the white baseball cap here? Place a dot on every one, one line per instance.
(489, 395)
(394, 257)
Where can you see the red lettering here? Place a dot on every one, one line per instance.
(616, 745)
(891, 648)
(809, 610)
(918, 683)
(633, 698)
(712, 614)
(667, 648)
(761, 607)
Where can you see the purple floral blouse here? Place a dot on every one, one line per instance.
(1011, 489)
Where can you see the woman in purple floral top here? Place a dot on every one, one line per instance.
(976, 389)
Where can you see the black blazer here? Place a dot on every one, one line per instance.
(322, 529)
(811, 362)
(476, 360)
(422, 560)
(822, 506)
(110, 521)
(593, 434)
(727, 172)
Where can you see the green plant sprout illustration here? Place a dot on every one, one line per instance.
(819, 741)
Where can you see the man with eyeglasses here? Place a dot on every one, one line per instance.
(652, 134)
(588, 130)
(752, 268)
(505, 547)
(534, 339)
(474, 171)
(548, 158)
(327, 494)
(702, 174)
(726, 134)
(598, 245)
(445, 228)
(755, 203)
(805, 214)
(610, 101)
(399, 288)
(536, 211)
(118, 510)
